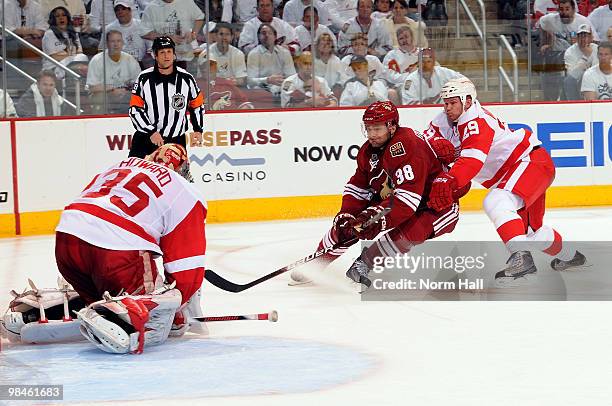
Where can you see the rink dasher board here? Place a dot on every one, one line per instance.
(286, 164)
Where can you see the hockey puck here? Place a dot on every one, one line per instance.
(298, 276)
(298, 279)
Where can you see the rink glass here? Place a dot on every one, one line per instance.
(456, 45)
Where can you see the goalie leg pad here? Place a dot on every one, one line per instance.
(12, 323)
(42, 315)
(107, 335)
(52, 332)
(129, 323)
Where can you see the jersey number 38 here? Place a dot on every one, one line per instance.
(403, 174)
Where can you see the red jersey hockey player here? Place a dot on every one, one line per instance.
(108, 237)
(510, 163)
(394, 161)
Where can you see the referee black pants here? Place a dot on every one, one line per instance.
(142, 145)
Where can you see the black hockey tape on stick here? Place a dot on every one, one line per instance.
(229, 286)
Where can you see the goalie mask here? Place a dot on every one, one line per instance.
(173, 156)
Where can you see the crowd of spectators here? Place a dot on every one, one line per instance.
(573, 38)
(275, 53)
(259, 49)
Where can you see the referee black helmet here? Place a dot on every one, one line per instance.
(161, 43)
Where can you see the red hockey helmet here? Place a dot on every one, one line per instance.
(173, 156)
(381, 112)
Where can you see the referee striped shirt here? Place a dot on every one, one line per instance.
(160, 103)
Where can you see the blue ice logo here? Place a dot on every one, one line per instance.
(244, 366)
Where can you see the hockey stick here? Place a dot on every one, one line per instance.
(271, 316)
(226, 285)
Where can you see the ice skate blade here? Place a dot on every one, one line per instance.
(506, 282)
(364, 284)
(576, 268)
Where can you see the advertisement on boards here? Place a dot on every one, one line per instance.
(58, 158)
(274, 154)
(286, 153)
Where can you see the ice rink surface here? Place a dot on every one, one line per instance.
(329, 348)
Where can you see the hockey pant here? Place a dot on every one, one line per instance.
(92, 270)
(516, 206)
(421, 226)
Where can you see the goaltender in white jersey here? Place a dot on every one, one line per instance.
(106, 241)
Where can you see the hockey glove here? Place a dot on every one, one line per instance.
(342, 226)
(443, 148)
(441, 195)
(374, 229)
(462, 191)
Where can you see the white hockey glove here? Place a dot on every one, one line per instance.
(182, 322)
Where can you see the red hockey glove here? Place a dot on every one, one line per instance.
(457, 194)
(443, 148)
(441, 195)
(342, 226)
(373, 230)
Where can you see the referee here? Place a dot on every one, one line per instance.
(161, 97)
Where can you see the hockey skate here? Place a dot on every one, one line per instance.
(358, 272)
(578, 262)
(520, 271)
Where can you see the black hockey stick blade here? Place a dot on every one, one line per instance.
(229, 286)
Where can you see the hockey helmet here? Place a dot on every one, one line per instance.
(460, 87)
(381, 112)
(162, 42)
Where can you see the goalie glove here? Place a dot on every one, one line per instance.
(441, 195)
(342, 226)
(373, 229)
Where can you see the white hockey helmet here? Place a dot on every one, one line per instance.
(460, 87)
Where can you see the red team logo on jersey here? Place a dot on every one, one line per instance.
(397, 149)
